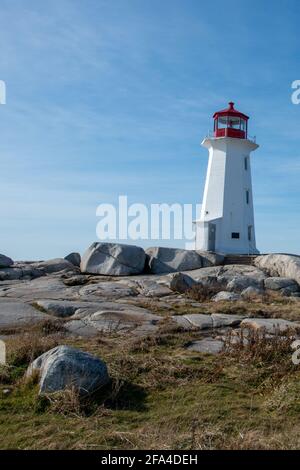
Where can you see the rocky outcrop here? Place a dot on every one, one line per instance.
(167, 260)
(287, 266)
(5, 261)
(64, 368)
(53, 265)
(113, 259)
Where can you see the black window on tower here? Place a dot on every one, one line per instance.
(246, 163)
(249, 233)
(247, 196)
(235, 235)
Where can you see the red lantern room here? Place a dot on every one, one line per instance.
(230, 123)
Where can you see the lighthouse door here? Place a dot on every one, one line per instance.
(211, 237)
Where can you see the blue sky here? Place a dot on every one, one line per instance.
(109, 97)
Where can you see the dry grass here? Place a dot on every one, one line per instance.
(67, 403)
(163, 396)
(23, 349)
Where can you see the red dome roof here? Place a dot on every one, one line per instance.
(230, 111)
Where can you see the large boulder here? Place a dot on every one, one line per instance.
(282, 284)
(167, 260)
(5, 261)
(74, 258)
(64, 367)
(113, 259)
(240, 283)
(280, 265)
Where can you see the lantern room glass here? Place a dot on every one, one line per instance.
(230, 122)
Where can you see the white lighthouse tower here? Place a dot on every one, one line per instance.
(226, 224)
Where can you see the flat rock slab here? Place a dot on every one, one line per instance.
(200, 320)
(270, 325)
(150, 288)
(113, 317)
(206, 345)
(183, 322)
(222, 319)
(46, 287)
(193, 321)
(80, 328)
(15, 314)
(107, 290)
(200, 274)
(64, 308)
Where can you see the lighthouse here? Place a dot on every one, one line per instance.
(226, 223)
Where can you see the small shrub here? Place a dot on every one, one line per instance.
(203, 293)
(259, 346)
